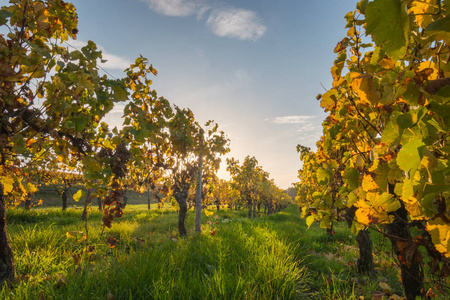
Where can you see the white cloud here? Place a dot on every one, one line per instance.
(292, 119)
(175, 8)
(309, 127)
(236, 23)
(223, 21)
(113, 62)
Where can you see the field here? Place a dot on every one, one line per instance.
(274, 257)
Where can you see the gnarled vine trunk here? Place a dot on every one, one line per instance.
(124, 199)
(149, 199)
(407, 253)
(365, 261)
(6, 254)
(181, 196)
(28, 202)
(64, 199)
(87, 202)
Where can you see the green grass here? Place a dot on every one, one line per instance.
(274, 257)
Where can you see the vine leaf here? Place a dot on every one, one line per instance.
(440, 235)
(363, 86)
(386, 23)
(78, 195)
(441, 28)
(8, 184)
(410, 155)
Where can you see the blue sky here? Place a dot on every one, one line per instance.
(254, 66)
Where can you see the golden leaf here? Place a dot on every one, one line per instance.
(440, 235)
(422, 11)
(363, 86)
(31, 188)
(8, 184)
(387, 63)
(368, 184)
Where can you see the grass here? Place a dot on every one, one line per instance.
(273, 257)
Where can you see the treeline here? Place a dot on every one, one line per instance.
(266, 198)
(382, 163)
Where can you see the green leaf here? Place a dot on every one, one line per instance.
(362, 5)
(447, 5)
(441, 28)
(309, 221)
(386, 22)
(73, 77)
(120, 93)
(436, 188)
(4, 15)
(19, 143)
(80, 123)
(323, 176)
(410, 155)
(390, 132)
(352, 178)
(427, 203)
(78, 195)
(411, 94)
(404, 121)
(335, 130)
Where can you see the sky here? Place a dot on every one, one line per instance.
(253, 66)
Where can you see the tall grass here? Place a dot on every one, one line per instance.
(233, 259)
(273, 257)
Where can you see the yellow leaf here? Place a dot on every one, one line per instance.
(78, 235)
(309, 221)
(440, 235)
(368, 184)
(363, 86)
(414, 209)
(329, 100)
(428, 65)
(8, 184)
(209, 213)
(31, 188)
(386, 63)
(142, 189)
(365, 216)
(78, 195)
(423, 11)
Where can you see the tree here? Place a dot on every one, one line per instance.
(219, 191)
(145, 130)
(187, 142)
(387, 116)
(212, 144)
(253, 185)
(52, 99)
(244, 179)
